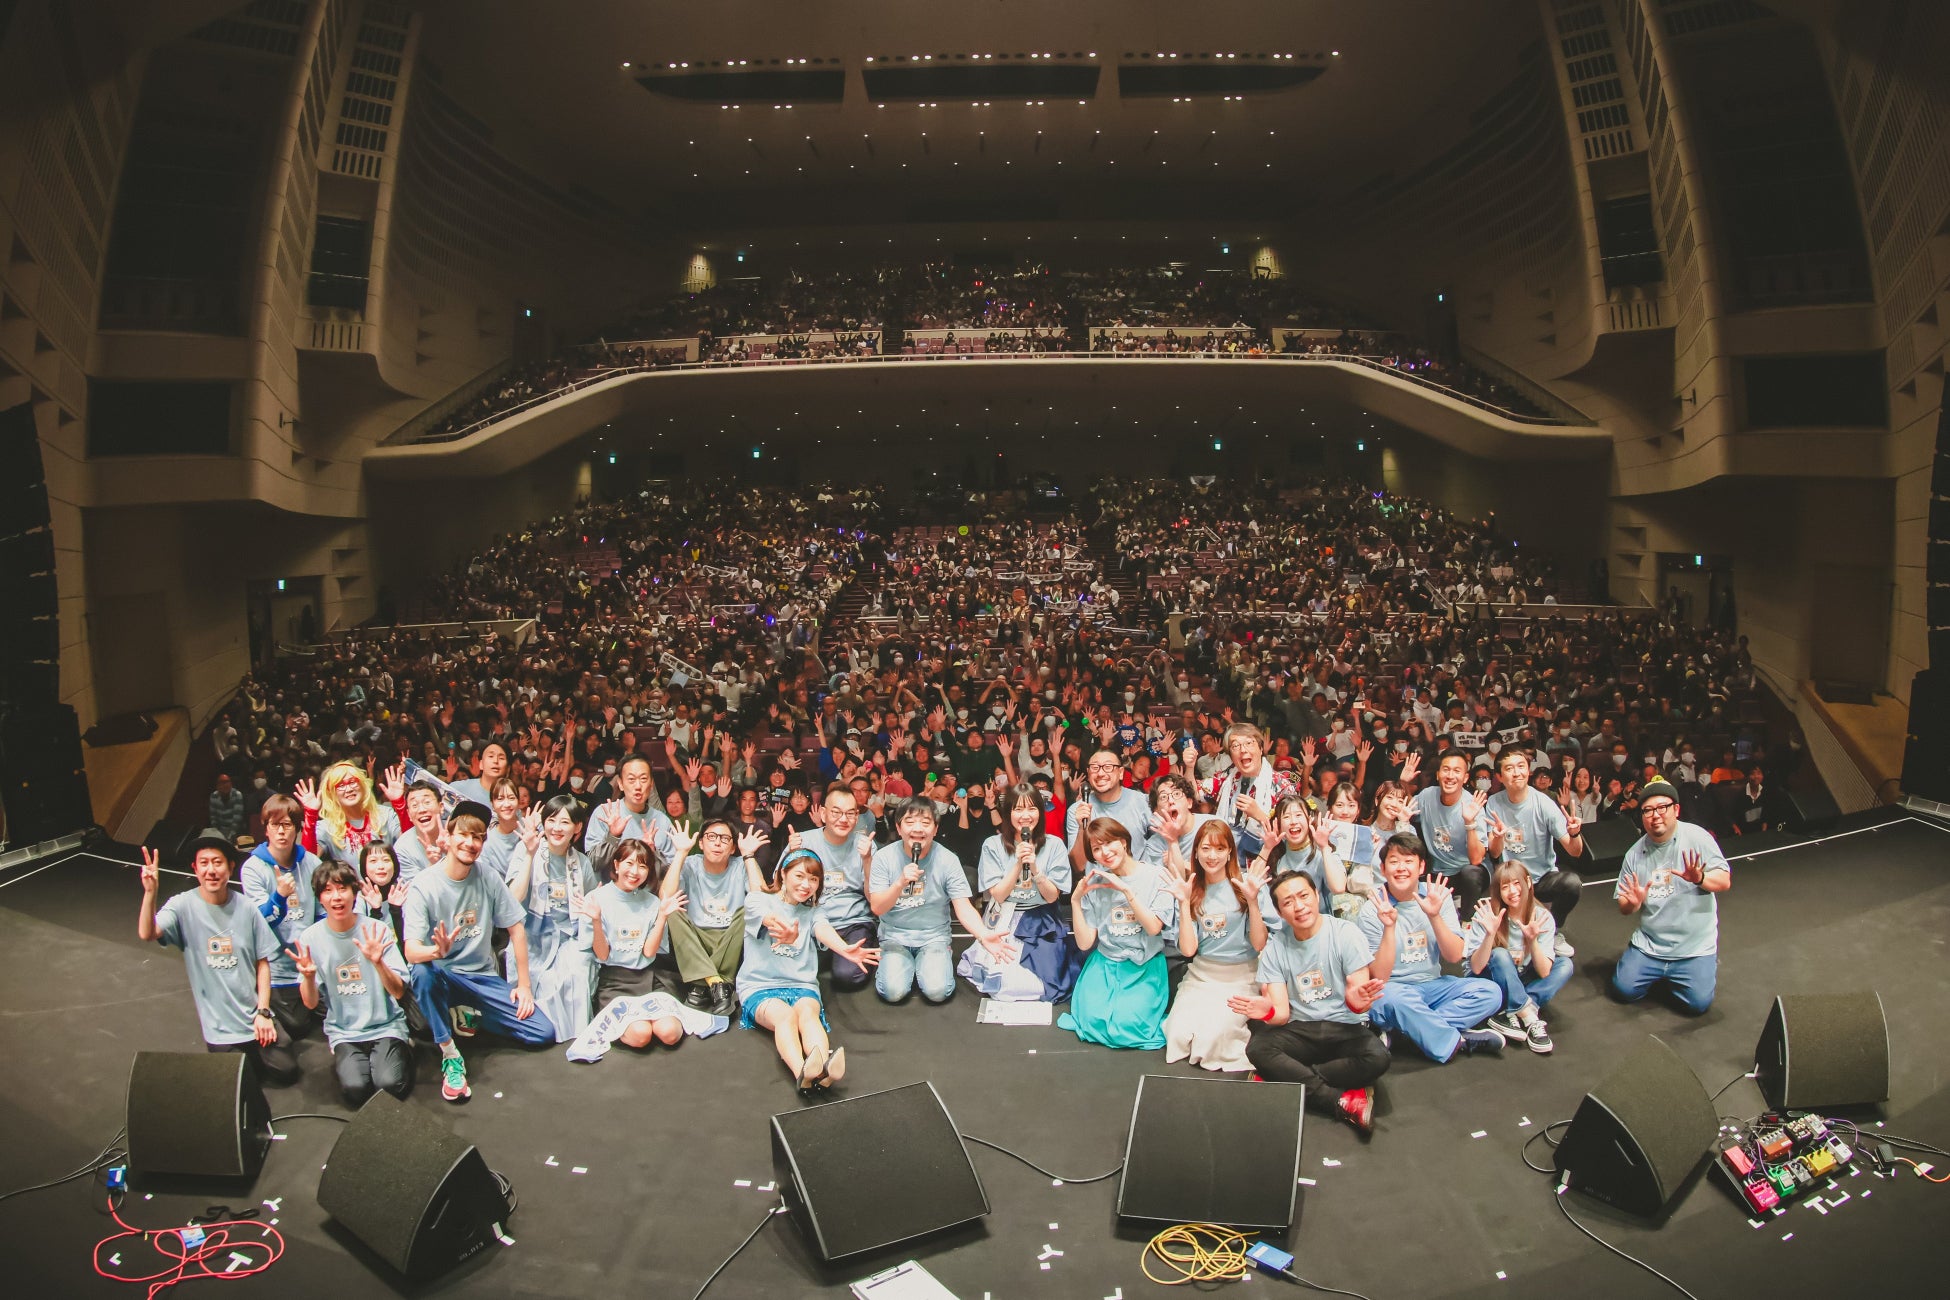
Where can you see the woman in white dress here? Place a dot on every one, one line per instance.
(1220, 928)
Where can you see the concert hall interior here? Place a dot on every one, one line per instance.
(784, 621)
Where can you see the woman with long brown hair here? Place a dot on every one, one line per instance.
(1220, 928)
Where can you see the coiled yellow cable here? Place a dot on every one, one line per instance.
(1197, 1252)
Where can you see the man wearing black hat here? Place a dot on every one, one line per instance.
(227, 949)
(1669, 878)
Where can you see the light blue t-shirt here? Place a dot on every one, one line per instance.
(1516, 945)
(1130, 807)
(843, 897)
(471, 909)
(411, 855)
(769, 963)
(1155, 846)
(501, 852)
(357, 1007)
(1223, 930)
(1120, 934)
(922, 914)
(288, 917)
(1443, 830)
(1315, 970)
(652, 824)
(1418, 958)
(712, 899)
(993, 869)
(1531, 830)
(629, 916)
(1679, 919)
(221, 948)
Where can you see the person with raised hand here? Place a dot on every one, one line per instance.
(1120, 910)
(1510, 942)
(1024, 867)
(707, 937)
(1105, 795)
(276, 876)
(1453, 830)
(1220, 928)
(1309, 1020)
(343, 813)
(424, 842)
(913, 886)
(1533, 828)
(778, 977)
(452, 911)
(1411, 929)
(226, 945)
(1670, 880)
(627, 923)
(634, 814)
(556, 879)
(364, 985)
(845, 852)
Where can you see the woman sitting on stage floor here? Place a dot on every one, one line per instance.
(626, 931)
(1120, 910)
(1512, 941)
(1220, 928)
(778, 978)
(1026, 866)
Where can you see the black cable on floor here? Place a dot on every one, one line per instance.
(1094, 1178)
(1331, 1290)
(749, 1238)
(1558, 1196)
(1728, 1084)
(106, 1156)
(309, 1114)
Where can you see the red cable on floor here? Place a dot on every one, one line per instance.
(216, 1242)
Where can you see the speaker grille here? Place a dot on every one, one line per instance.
(876, 1170)
(1640, 1134)
(1213, 1151)
(421, 1198)
(196, 1113)
(1824, 1049)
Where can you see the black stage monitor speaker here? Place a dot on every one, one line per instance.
(1606, 842)
(875, 1171)
(1213, 1151)
(1815, 809)
(1638, 1136)
(1824, 1049)
(399, 1180)
(196, 1113)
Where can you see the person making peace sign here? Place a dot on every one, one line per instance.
(363, 985)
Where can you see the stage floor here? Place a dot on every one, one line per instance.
(1437, 1203)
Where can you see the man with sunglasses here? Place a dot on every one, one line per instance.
(1669, 878)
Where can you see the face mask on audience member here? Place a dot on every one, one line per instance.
(259, 782)
(1130, 697)
(575, 783)
(1339, 725)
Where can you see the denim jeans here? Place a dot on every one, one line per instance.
(1692, 978)
(1526, 985)
(932, 966)
(1433, 1013)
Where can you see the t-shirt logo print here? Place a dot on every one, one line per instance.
(1211, 924)
(913, 894)
(1123, 921)
(218, 954)
(1513, 840)
(467, 924)
(1313, 985)
(1440, 840)
(350, 979)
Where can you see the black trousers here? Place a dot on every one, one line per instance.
(276, 1064)
(1558, 890)
(365, 1068)
(1472, 884)
(294, 1017)
(1327, 1056)
(847, 975)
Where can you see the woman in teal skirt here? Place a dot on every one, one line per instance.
(1119, 910)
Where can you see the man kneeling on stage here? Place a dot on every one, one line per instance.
(364, 981)
(1309, 1023)
(1438, 1013)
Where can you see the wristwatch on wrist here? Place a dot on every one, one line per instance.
(265, 1013)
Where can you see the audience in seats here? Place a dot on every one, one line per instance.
(716, 734)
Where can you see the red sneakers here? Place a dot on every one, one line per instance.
(1357, 1104)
